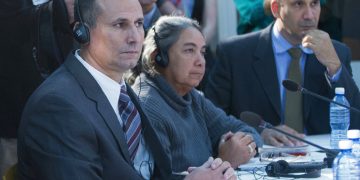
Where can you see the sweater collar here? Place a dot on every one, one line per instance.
(167, 91)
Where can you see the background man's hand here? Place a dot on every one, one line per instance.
(274, 138)
(320, 42)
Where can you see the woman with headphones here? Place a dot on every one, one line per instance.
(189, 126)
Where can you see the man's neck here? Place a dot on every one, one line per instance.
(291, 39)
(86, 56)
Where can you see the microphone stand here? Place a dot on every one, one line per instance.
(305, 91)
(293, 86)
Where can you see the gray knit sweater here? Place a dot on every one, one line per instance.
(188, 127)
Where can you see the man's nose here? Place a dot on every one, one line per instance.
(309, 13)
(135, 34)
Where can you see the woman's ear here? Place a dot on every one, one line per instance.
(153, 55)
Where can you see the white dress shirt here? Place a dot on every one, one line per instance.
(143, 161)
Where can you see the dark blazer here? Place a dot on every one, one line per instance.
(70, 131)
(245, 79)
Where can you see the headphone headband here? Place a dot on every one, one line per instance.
(160, 59)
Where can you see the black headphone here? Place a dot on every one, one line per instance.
(80, 31)
(282, 168)
(160, 58)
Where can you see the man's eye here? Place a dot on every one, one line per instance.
(298, 4)
(189, 50)
(315, 3)
(119, 25)
(139, 24)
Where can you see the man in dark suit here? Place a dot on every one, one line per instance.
(151, 13)
(251, 68)
(34, 41)
(84, 122)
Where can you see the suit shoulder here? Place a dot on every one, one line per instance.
(342, 50)
(338, 44)
(57, 84)
(241, 40)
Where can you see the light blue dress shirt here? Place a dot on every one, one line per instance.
(283, 59)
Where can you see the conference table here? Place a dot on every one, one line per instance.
(255, 169)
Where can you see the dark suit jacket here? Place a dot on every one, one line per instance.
(70, 131)
(154, 18)
(245, 79)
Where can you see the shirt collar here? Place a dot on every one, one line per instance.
(110, 87)
(280, 44)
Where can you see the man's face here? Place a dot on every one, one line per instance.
(296, 17)
(116, 40)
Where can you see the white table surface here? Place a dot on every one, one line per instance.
(255, 164)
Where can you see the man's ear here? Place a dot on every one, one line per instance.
(275, 8)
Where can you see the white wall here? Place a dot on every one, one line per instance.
(227, 19)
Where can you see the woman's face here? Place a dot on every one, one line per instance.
(186, 66)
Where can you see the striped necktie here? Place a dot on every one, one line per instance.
(131, 122)
(293, 104)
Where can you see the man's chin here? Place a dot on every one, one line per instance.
(306, 30)
(132, 64)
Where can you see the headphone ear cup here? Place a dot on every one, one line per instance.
(270, 169)
(283, 166)
(160, 60)
(274, 169)
(81, 33)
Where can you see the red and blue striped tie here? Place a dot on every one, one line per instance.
(131, 122)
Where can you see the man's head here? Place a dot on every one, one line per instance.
(116, 35)
(294, 18)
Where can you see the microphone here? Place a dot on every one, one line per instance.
(294, 87)
(256, 120)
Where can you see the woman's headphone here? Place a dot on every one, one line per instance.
(160, 58)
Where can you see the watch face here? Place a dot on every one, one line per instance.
(38, 2)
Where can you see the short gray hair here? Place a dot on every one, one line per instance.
(89, 10)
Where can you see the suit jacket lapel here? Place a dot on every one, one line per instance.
(265, 68)
(94, 92)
